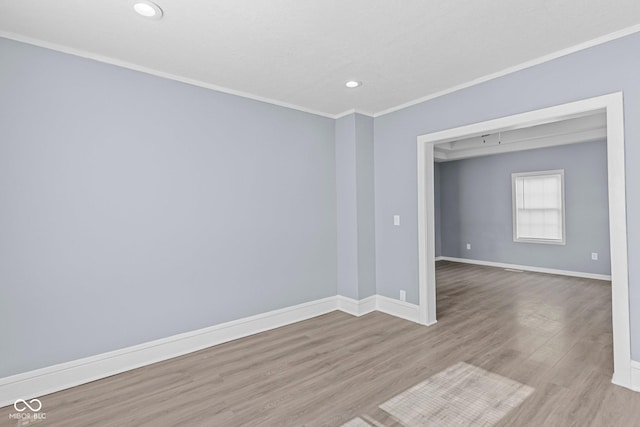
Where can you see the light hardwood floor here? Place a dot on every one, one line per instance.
(551, 333)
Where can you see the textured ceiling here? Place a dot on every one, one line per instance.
(300, 53)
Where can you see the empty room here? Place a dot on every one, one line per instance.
(359, 213)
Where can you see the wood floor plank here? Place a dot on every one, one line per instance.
(550, 333)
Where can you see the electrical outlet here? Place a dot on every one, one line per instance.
(468, 246)
(594, 256)
(403, 295)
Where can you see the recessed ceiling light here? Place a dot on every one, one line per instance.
(352, 84)
(148, 9)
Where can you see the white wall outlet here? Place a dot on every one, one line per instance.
(403, 295)
(396, 220)
(468, 246)
(594, 256)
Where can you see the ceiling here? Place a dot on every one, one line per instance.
(587, 128)
(299, 53)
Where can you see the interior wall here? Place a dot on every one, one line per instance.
(139, 204)
(476, 207)
(355, 206)
(347, 206)
(603, 69)
(366, 206)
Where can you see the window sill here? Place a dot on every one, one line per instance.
(541, 241)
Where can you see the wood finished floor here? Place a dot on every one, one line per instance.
(551, 333)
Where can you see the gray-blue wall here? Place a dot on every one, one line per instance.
(355, 206)
(138, 204)
(347, 206)
(366, 207)
(603, 69)
(134, 207)
(476, 208)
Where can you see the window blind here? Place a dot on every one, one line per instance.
(538, 207)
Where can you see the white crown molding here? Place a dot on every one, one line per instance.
(108, 60)
(540, 60)
(352, 111)
(527, 268)
(157, 73)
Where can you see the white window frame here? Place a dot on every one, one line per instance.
(514, 176)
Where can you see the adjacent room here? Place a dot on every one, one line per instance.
(325, 213)
(515, 212)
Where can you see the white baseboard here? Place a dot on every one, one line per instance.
(357, 307)
(527, 268)
(398, 308)
(635, 375)
(70, 374)
(54, 378)
(381, 303)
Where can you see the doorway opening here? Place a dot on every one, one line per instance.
(609, 105)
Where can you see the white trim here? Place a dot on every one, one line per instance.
(157, 73)
(527, 268)
(514, 210)
(618, 240)
(426, 211)
(70, 374)
(612, 105)
(108, 60)
(394, 307)
(397, 308)
(541, 60)
(635, 375)
(351, 111)
(357, 307)
(54, 378)
(532, 144)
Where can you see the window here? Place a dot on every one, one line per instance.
(538, 207)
